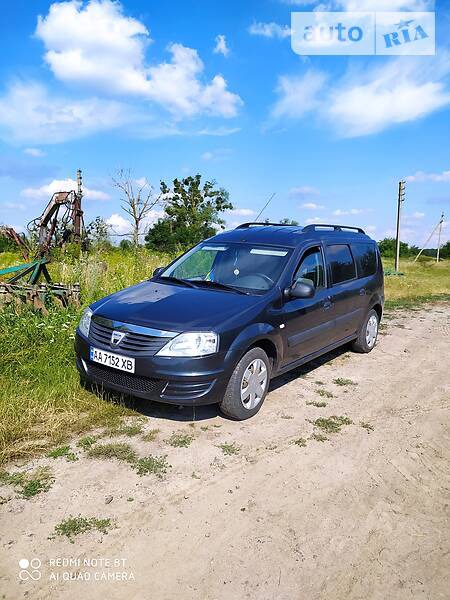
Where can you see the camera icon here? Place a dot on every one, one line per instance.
(30, 569)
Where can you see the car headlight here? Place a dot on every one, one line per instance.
(191, 343)
(85, 322)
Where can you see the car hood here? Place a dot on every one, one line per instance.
(176, 308)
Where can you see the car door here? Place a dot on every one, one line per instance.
(309, 321)
(345, 290)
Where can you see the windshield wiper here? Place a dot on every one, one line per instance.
(169, 278)
(220, 286)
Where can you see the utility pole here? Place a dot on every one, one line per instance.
(439, 237)
(77, 213)
(401, 199)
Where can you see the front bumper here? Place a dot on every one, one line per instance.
(172, 380)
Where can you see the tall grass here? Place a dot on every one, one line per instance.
(41, 401)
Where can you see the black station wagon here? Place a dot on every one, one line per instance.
(233, 312)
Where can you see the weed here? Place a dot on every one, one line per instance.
(284, 416)
(332, 424)
(180, 440)
(319, 437)
(204, 428)
(366, 426)
(86, 442)
(154, 465)
(119, 451)
(150, 436)
(229, 449)
(342, 381)
(318, 404)
(194, 475)
(29, 483)
(73, 526)
(130, 499)
(325, 393)
(63, 451)
(319, 382)
(300, 442)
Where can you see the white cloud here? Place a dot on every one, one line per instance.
(298, 95)
(62, 185)
(28, 113)
(312, 206)
(270, 30)
(242, 212)
(368, 101)
(313, 220)
(370, 228)
(352, 211)
(303, 192)
(420, 176)
(219, 131)
(418, 215)
(221, 46)
(12, 206)
(119, 225)
(35, 152)
(364, 5)
(218, 154)
(95, 45)
(176, 86)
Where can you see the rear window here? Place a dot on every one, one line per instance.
(366, 259)
(341, 262)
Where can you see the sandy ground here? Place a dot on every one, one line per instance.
(362, 515)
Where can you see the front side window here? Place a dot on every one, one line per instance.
(341, 263)
(366, 259)
(238, 265)
(311, 268)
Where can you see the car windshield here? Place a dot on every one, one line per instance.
(239, 266)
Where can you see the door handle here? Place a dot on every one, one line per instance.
(362, 292)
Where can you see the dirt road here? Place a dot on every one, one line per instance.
(361, 515)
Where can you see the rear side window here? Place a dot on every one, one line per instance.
(341, 262)
(366, 259)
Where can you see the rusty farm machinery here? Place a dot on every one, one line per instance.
(30, 282)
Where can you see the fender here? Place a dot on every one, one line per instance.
(254, 333)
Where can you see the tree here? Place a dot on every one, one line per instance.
(287, 221)
(387, 248)
(137, 200)
(445, 250)
(192, 214)
(98, 232)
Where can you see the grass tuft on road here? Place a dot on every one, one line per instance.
(29, 483)
(73, 526)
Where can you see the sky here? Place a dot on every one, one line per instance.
(171, 89)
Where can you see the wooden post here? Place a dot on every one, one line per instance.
(401, 198)
(439, 237)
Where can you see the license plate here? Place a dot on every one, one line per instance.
(109, 359)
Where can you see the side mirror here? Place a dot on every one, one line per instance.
(157, 271)
(302, 289)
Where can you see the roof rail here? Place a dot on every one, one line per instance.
(334, 227)
(262, 224)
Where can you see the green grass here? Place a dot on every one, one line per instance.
(324, 393)
(332, 424)
(180, 439)
(152, 465)
(41, 402)
(229, 449)
(73, 526)
(123, 429)
(29, 483)
(300, 442)
(318, 437)
(316, 403)
(342, 381)
(367, 426)
(118, 451)
(86, 442)
(150, 436)
(63, 451)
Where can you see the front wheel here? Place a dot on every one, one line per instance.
(248, 386)
(367, 337)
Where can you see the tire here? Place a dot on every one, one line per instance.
(367, 337)
(241, 402)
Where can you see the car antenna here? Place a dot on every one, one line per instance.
(265, 206)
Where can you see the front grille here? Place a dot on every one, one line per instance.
(135, 343)
(132, 383)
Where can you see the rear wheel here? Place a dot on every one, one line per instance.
(248, 385)
(367, 338)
